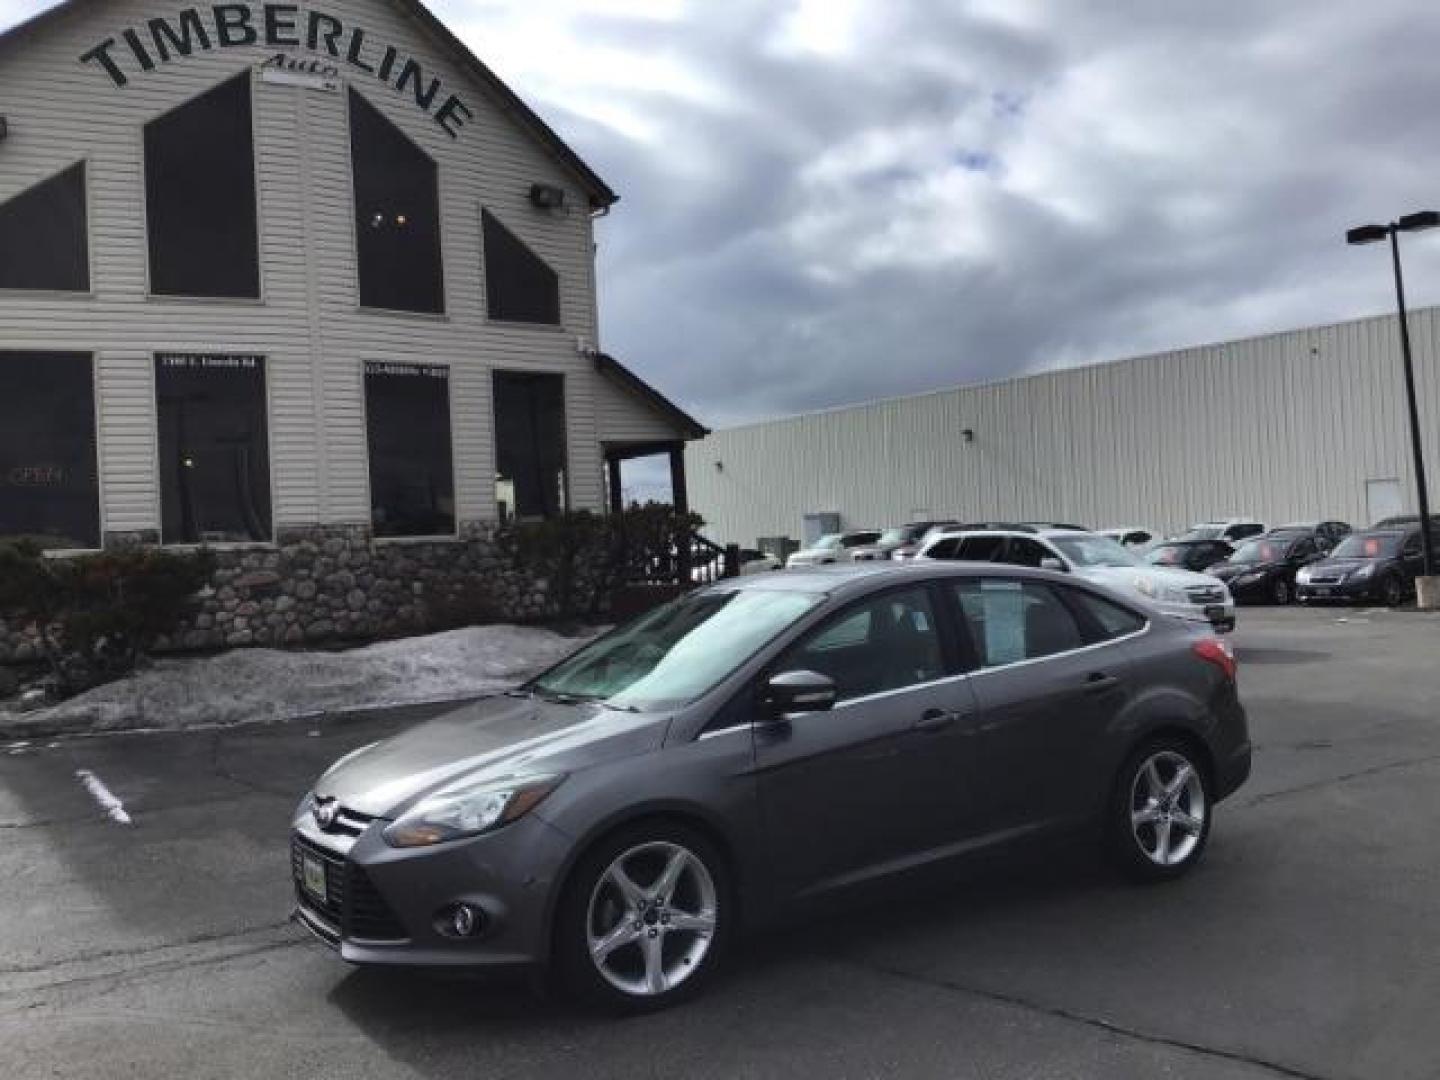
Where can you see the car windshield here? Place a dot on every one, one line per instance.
(897, 536)
(1262, 551)
(674, 654)
(1170, 555)
(1087, 549)
(1203, 532)
(826, 543)
(1373, 546)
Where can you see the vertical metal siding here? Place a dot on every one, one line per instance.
(1288, 426)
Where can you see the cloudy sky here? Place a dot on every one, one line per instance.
(826, 201)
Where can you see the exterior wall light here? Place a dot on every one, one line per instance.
(547, 196)
(968, 435)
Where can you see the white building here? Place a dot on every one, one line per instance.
(268, 267)
(1307, 424)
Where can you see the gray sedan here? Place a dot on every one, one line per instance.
(759, 744)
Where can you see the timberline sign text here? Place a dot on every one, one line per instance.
(140, 49)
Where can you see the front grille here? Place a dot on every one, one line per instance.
(1326, 580)
(1206, 594)
(351, 900)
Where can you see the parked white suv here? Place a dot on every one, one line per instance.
(1182, 593)
(833, 548)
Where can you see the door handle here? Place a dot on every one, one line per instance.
(935, 720)
(1097, 682)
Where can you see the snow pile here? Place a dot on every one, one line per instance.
(250, 685)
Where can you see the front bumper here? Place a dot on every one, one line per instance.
(1248, 592)
(385, 905)
(1342, 592)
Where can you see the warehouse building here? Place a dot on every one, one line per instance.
(1303, 425)
(276, 275)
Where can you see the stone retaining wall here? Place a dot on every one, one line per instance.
(337, 583)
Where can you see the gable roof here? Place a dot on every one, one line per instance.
(601, 195)
(685, 425)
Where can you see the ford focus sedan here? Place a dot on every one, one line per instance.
(620, 819)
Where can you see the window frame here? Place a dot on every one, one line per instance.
(271, 542)
(100, 500)
(1086, 624)
(559, 325)
(951, 660)
(446, 306)
(85, 160)
(151, 295)
(435, 538)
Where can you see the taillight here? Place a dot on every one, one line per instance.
(1217, 652)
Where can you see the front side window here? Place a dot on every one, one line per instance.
(200, 196)
(1027, 552)
(49, 483)
(397, 215)
(1011, 621)
(530, 449)
(519, 285)
(214, 448)
(887, 643)
(44, 235)
(412, 480)
(678, 652)
(864, 539)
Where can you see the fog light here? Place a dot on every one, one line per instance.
(462, 921)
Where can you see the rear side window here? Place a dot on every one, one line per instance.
(981, 549)
(1011, 621)
(1111, 620)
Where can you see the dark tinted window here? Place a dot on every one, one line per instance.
(943, 549)
(48, 480)
(519, 285)
(412, 482)
(1010, 621)
(981, 548)
(200, 196)
(214, 454)
(397, 215)
(44, 243)
(887, 643)
(1111, 619)
(1026, 552)
(530, 444)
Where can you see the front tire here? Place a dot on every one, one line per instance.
(1160, 812)
(1393, 592)
(645, 920)
(1280, 592)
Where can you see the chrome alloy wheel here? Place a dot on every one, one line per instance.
(1167, 808)
(647, 939)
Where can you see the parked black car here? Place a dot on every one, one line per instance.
(1263, 570)
(1377, 565)
(1198, 555)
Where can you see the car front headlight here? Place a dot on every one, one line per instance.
(468, 811)
(1160, 592)
(1366, 571)
(1250, 578)
(1303, 575)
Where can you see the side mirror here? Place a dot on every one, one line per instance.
(801, 692)
(1050, 563)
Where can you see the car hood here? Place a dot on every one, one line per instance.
(492, 739)
(1124, 577)
(1226, 571)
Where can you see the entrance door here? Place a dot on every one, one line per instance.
(1382, 500)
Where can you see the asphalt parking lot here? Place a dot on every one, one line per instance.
(1304, 946)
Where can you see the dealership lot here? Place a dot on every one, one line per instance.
(1304, 946)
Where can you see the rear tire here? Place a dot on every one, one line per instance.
(1158, 820)
(646, 918)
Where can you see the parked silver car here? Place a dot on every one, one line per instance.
(833, 548)
(763, 742)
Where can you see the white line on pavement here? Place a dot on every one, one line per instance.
(113, 807)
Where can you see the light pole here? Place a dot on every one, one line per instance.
(1428, 594)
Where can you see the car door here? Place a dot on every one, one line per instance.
(1412, 558)
(1047, 680)
(882, 776)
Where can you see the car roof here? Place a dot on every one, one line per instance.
(855, 578)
